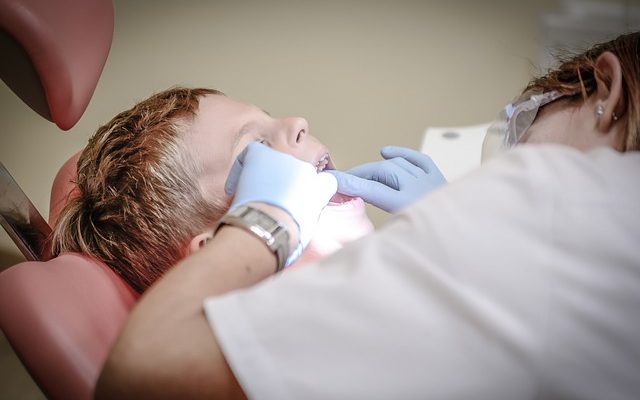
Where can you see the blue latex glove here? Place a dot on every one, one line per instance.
(403, 177)
(261, 174)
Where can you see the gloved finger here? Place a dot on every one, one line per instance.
(415, 157)
(385, 172)
(323, 187)
(231, 183)
(365, 171)
(327, 186)
(347, 183)
(407, 166)
(372, 192)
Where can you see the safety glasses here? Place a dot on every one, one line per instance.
(514, 120)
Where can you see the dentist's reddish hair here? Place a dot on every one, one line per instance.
(576, 75)
(139, 202)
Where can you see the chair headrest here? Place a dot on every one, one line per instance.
(64, 188)
(62, 317)
(53, 53)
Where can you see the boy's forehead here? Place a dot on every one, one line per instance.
(217, 104)
(217, 126)
(218, 114)
(222, 103)
(211, 136)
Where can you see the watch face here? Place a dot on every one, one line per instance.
(270, 231)
(269, 224)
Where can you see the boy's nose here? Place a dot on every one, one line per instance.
(296, 131)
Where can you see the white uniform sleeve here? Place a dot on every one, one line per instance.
(455, 298)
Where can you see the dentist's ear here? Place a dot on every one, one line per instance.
(198, 241)
(610, 94)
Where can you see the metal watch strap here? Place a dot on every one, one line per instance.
(262, 225)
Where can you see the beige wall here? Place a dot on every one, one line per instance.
(364, 73)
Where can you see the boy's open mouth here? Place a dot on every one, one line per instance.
(325, 163)
(340, 198)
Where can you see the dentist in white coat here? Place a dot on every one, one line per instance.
(520, 281)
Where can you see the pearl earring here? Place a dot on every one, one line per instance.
(614, 116)
(599, 111)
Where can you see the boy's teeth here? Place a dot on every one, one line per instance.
(322, 164)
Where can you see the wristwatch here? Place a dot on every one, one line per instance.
(261, 224)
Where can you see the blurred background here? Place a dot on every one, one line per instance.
(364, 73)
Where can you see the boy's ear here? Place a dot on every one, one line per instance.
(198, 241)
(609, 92)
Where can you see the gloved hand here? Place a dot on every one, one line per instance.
(261, 174)
(404, 176)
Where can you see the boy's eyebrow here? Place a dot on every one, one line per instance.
(245, 129)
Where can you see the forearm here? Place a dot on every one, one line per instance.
(167, 349)
(149, 359)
